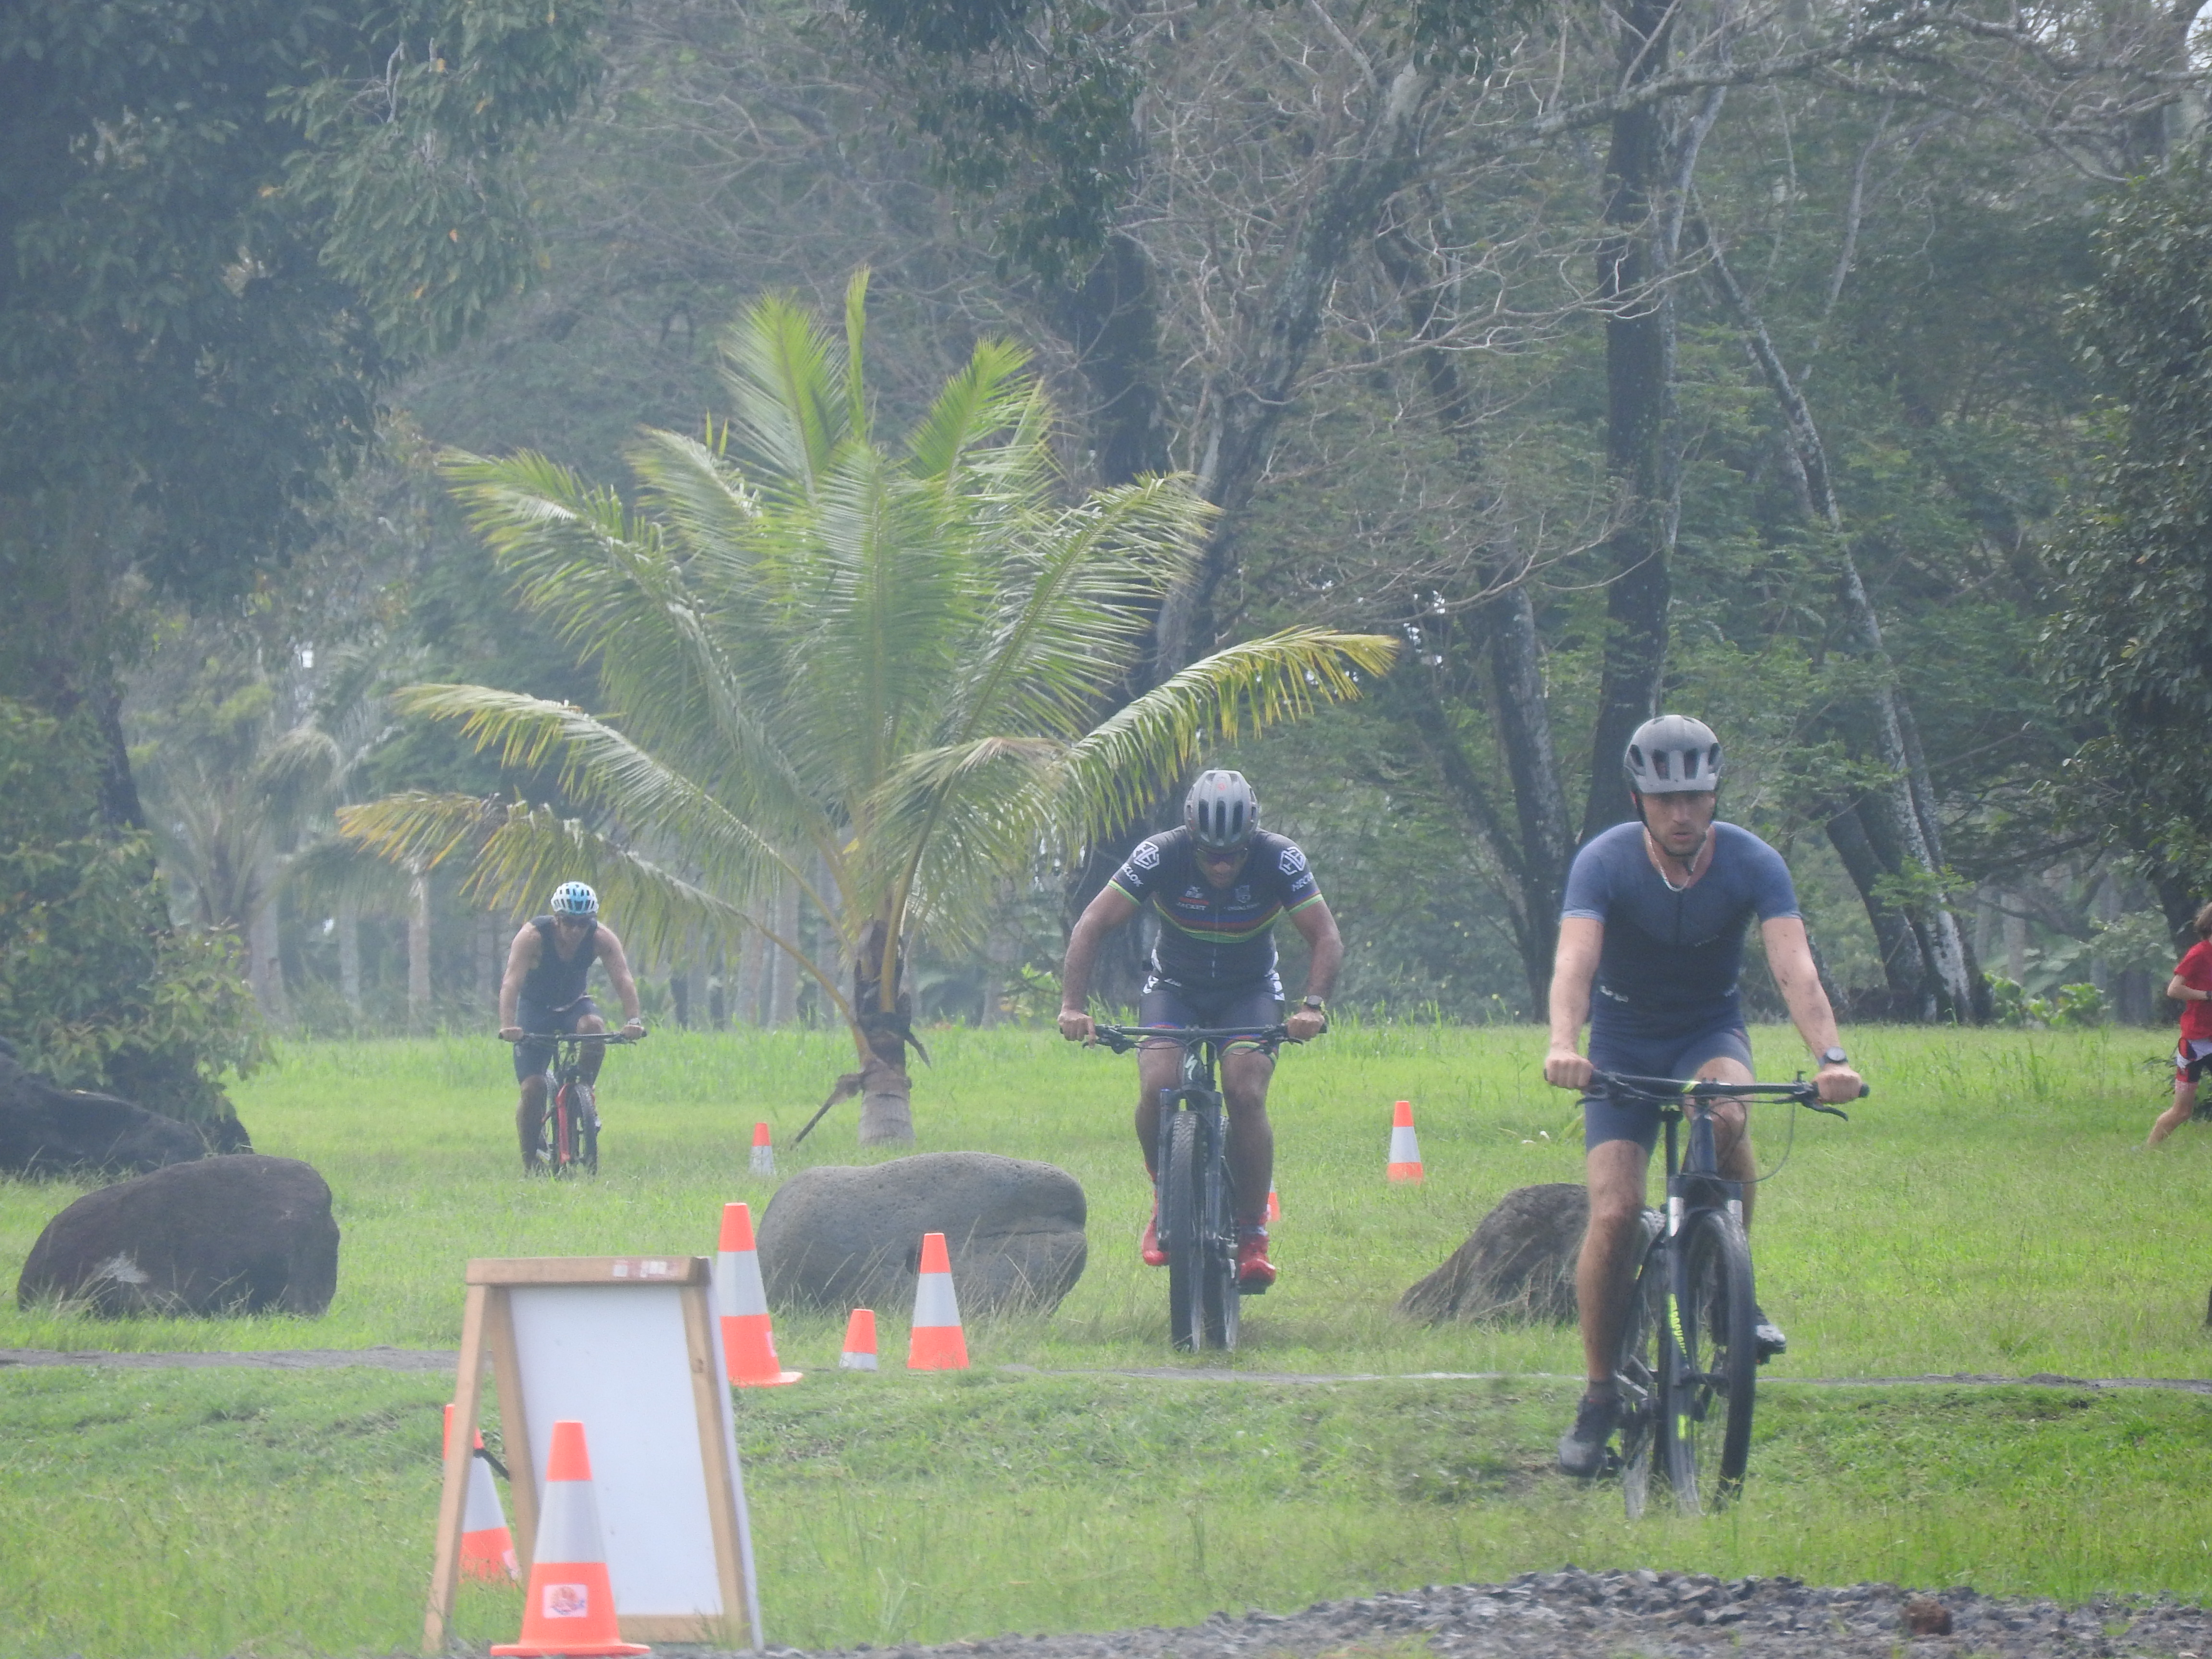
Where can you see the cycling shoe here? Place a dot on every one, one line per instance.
(1255, 1272)
(1583, 1449)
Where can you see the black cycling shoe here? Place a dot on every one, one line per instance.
(1583, 1449)
(1765, 1335)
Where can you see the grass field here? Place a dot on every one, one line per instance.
(1987, 1211)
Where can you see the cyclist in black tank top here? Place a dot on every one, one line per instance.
(545, 991)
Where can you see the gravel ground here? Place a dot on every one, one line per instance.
(1572, 1615)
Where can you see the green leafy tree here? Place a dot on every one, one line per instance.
(868, 673)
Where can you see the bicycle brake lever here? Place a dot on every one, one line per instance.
(1822, 1106)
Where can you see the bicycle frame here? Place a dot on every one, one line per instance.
(563, 1072)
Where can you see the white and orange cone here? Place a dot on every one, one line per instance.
(763, 1151)
(859, 1353)
(938, 1343)
(569, 1612)
(1274, 1203)
(748, 1338)
(1405, 1150)
(487, 1547)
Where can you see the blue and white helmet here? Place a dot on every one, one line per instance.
(1673, 755)
(1221, 811)
(572, 898)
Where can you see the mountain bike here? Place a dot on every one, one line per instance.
(1688, 1362)
(1197, 1198)
(568, 1134)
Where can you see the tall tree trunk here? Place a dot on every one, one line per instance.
(783, 1000)
(1904, 965)
(263, 952)
(1639, 373)
(418, 951)
(1112, 319)
(886, 1089)
(348, 931)
(1906, 804)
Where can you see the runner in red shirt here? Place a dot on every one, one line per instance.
(2190, 987)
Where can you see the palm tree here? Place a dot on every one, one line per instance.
(870, 673)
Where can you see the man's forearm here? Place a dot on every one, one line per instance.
(1569, 1008)
(1075, 972)
(1320, 972)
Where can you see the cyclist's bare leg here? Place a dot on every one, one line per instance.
(1615, 1170)
(1731, 1137)
(1159, 1066)
(595, 1054)
(530, 1115)
(1244, 1076)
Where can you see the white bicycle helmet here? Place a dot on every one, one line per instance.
(572, 898)
(1221, 811)
(1673, 755)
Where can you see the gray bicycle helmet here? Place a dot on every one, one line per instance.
(572, 898)
(1221, 811)
(1673, 755)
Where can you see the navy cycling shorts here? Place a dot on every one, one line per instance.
(536, 1059)
(1252, 1006)
(1605, 1119)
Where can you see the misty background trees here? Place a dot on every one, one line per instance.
(1833, 372)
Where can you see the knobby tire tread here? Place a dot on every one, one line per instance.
(1639, 1370)
(1222, 1311)
(1710, 1425)
(1179, 1216)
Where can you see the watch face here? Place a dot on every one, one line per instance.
(1832, 1057)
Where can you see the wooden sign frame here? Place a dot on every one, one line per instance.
(489, 1333)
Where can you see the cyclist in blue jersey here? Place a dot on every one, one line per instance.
(544, 991)
(1218, 885)
(1653, 923)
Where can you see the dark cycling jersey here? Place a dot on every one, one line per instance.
(1670, 960)
(553, 984)
(1214, 938)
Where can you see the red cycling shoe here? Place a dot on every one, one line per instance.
(1150, 1249)
(1255, 1272)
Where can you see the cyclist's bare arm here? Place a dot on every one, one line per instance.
(521, 958)
(1318, 928)
(1789, 954)
(1112, 909)
(611, 958)
(1574, 968)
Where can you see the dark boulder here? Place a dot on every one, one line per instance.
(220, 1236)
(842, 1237)
(1518, 1264)
(46, 1129)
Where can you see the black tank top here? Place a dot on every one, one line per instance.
(554, 983)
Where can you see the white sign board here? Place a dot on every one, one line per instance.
(627, 1346)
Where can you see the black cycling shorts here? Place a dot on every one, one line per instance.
(536, 1059)
(1638, 1121)
(1252, 1006)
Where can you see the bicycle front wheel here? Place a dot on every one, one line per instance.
(1715, 1367)
(1220, 1315)
(1180, 1174)
(1638, 1369)
(586, 1099)
(562, 1122)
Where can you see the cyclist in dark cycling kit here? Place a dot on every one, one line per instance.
(1654, 921)
(544, 991)
(1218, 885)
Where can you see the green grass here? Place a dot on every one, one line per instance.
(1986, 1211)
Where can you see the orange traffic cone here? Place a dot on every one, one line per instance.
(1274, 1203)
(1405, 1150)
(748, 1342)
(859, 1353)
(487, 1547)
(763, 1151)
(938, 1343)
(569, 1612)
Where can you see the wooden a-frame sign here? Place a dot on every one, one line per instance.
(630, 1347)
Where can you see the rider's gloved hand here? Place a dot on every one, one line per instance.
(510, 1034)
(1076, 1026)
(1566, 1069)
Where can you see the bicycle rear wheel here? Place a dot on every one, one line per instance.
(1710, 1394)
(1179, 1231)
(1638, 1369)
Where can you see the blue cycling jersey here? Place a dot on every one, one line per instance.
(1216, 938)
(1670, 959)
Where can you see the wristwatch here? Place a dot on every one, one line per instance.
(1317, 1005)
(1832, 1057)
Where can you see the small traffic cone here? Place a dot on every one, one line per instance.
(487, 1547)
(763, 1151)
(748, 1340)
(1274, 1203)
(859, 1353)
(569, 1612)
(1405, 1150)
(938, 1343)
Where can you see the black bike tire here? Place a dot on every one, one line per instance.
(1179, 1217)
(1711, 1392)
(1220, 1311)
(1640, 1370)
(587, 1135)
(564, 1132)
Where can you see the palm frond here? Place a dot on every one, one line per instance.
(786, 377)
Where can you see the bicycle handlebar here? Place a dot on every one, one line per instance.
(1666, 1090)
(1122, 1038)
(577, 1036)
